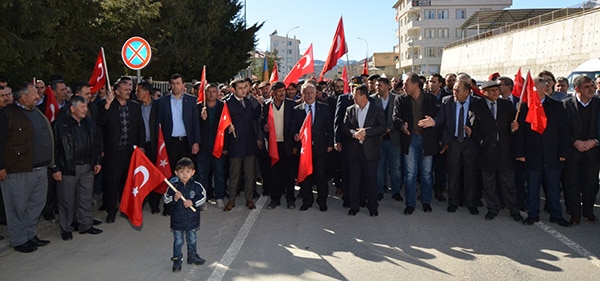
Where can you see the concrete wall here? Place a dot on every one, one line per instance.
(558, 47)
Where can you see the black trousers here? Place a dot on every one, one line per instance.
(461, 160)
(358, 169)
(319, 178)
(116, 168)
(581, 171)
(282, 176)
(507, 189)
(177, 149)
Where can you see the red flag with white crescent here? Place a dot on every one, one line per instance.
(51, 110)
(202, 85)
(345, 78)
(305, 166)
(224, 122)
(273, 151)
(536, 116)
(274, 74)
(337, 50)
(142, 178)
(305, 65)
(162, 161)
(98, 78)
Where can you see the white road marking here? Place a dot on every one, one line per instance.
(569, 243)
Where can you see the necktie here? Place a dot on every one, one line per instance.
(312, 116)
(243, 104)
(461, 122)
(493, 109)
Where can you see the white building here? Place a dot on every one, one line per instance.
(288, 52)
(426, 26)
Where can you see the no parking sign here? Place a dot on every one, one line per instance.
(136, 53)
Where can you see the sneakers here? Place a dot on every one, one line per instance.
(220, 204)
(194, 258)
(177, 263)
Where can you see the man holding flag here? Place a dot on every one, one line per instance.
(541, 143)
(278, 124)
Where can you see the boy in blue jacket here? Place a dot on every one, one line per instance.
(183, 219)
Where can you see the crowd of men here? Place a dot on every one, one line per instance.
(437, 137)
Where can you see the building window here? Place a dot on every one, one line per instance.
(443, 33)
(459, 33)
(276, 43)
(289, 43)
(429, 33)
(440, 52)
(430, 52)
(442, 14)
(430, 14)
(289, 52)
(461, 14)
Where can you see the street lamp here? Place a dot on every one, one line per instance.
(366, 42)
(295, 27)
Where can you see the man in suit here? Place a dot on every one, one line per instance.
(418, 144)
(334, 155)
(210, 112)
(241, 148)
(583, 161)
(455, 119)
(122, 127)
(390, 155)
(282, 171)
(178, 116)
(544, 156)
(435, 86)
(364, 125)
(341, 140)
(493, 130)
(322, 138)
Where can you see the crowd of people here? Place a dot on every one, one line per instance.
(437, 137)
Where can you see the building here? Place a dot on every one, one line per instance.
(384, 63)
(426, 26)
(287, 50)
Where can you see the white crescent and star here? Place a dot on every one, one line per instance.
(101, 72)
(338, 44)
(162, 146)
(140, 169)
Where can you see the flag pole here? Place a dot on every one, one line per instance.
(521, 99)
(106, 70)
(175, 189)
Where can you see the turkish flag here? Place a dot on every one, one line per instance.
(98, 78)
(202, 85)
(518, 88)
(273, 152)
(142, 178)
(305, 65)
(224, 122)
(305, 166)
(51, 111)
(345, 78)
(536, 116)
(274, 74)
(337, 50)
(162, 161)
(366, 67)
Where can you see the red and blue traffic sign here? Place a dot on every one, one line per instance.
(136, 53)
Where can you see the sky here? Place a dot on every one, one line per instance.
(373, 20)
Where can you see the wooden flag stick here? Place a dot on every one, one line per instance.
(175, 189)
(521, 99)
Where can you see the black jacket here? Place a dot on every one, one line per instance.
(64, 138)
(183, 218)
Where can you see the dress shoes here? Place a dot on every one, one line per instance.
(49, 216)
(452, 208)
(273, 205)
(352, 212)
(575, 220)
(530, 221)
(346, 205)
(591, 217)
(427, 208)
(250, 205)
(516, 217)
(439, 196)
(379, 196)
(155, 211)
(26, 247)
(291, 205)
(373, 213)
(473, 210)
(409, 210)
(38, 242)
(96, 222)
(323, 207)
(490, 216)
(560, 221)
(110, 218)
(305, 207)
(66, 235)
(102, 208)
(229, 207)
(91, 230)
(398, 197)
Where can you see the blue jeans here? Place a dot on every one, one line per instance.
(551, 180)
(415, 162)
(191, 239)
(206, 162)
(389, 158)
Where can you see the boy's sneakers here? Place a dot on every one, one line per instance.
(177, 263)
(195, 259)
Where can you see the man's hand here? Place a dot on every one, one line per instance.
(426, 122)
(97, 169)
(581, 146)
(514, 126)
(57, 176)
(468, 131)
(404, 129)
(2, 174)
(329, 149)
(444, 149)
(204, 114)
(195, 148)
(521, 159)
(110, 96)
(338, 146)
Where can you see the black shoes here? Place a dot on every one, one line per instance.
(96, 222)
(490, 216)
(560, 221)
(177, 261)
(473, 211)
(26, 247)
(305, 207)
(379, 196)
(530, 221)
(322, 207)
(291, 205)
(273, 205)
(67, 235)
(352, 212)
(439, 196)
(427, 208)
(194, 258)
(110, 218)
(398, 197)
(373, 213)
(452, 208)
(409, 210)
(516, 217)
(37, 242)
(91, 230)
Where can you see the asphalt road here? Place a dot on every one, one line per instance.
(284, 244)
